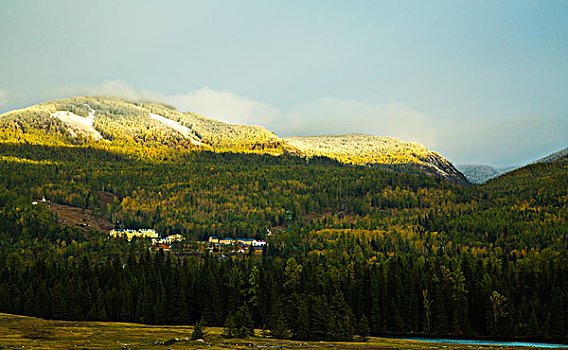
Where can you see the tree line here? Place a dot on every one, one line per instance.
(308, 296)
(353, 251)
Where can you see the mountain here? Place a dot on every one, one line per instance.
(479, 174)
(379, 151)
(116, 121)
(113, 119)
(554, 156)
(538, 183)
(347, 243)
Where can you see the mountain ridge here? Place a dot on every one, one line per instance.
(563, 153)
(378, 151)
(110, 119)
(480, 174)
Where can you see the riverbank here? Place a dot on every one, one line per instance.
(509, 343)
(21, 332)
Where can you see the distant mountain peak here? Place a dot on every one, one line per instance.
(478, 174)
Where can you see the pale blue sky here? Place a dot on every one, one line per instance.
(477, 81)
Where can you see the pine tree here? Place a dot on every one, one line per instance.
(557, 314)
(243, 322)
(198, 331)
(498, 303)
(42, 301)
(363, 329)
(301, 330)
(230, 330)
(101, 309)
(28, 302)
(279, 328)
(427, 311)
(92, 314)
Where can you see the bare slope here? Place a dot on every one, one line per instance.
(378, 151)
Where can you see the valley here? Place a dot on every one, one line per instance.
(283, 175)
(356, 246)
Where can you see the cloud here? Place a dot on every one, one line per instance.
(223, 105)
(333, 115)
(3, 98)
(513, 141)
(226, 106)
(115, 88)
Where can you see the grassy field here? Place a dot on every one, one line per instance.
(20, 332)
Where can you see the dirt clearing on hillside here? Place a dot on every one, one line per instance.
(79, 217)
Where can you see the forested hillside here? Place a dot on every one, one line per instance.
(380, 151)
(115, 121)
(122, 121)
(351, 251)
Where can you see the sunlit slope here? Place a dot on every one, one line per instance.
(378, 151)
(111, 119)
(154, 130)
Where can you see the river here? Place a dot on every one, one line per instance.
(483, 342)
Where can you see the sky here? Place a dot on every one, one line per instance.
(480, 82)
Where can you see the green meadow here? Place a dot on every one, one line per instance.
(22, 332)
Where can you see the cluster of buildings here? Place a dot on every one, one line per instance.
(145, 233)
(237, 245)
(242, 242)
(168, 240)
(129, 234)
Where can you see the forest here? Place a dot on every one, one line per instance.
(353, 250)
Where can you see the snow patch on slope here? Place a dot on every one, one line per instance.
(79, 125)
(185, 131)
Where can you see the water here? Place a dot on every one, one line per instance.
(484, 342)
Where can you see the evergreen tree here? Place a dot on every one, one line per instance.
(301, 327)
(498, 303)
(230, 330)
(198, 331)
(279, 328)
(363, 329)
(243, 322)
